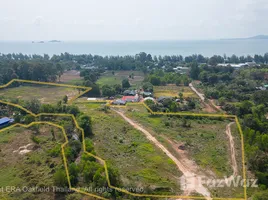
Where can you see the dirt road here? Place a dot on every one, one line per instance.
(185, 170)
(209, 107)
(232, 148)
(200, 95)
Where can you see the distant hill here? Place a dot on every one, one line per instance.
(261, 37)
(257, 37)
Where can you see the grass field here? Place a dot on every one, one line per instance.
(28, 169)
(46, 94)
(173, 91)
(110, 79)
(205, 142)
(139, 162)
(204, 138)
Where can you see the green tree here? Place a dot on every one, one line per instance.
(194, 71)
(147, 86)
(33, 105)
(65, 99)
(60, 179)
(29, 119)
(125, 83)
(73, 173)
(53, 134)
(98, 179)
(60, 70)
(155, 80)
(181, 96)
(85, 123)
(108, 91)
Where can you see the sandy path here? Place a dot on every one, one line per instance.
(232, 148)
(208, 108)
(186, 171)
(201, 96)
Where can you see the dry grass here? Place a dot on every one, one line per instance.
(173, 91)
(46, 94)
(110, 79)
(71, 77)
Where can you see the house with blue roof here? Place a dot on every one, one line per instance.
(5, 121)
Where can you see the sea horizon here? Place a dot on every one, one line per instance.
(207, 47)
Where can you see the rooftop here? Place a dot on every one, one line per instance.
(124, 98)
(4, 120)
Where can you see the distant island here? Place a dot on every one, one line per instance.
(38, 42)
(257, 37)
(48, 41)
(54, 41)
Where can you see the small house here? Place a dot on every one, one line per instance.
(130, 98)
(5, 121)
(119, 102)
(147, 94)
(163, 98)
(129, 93)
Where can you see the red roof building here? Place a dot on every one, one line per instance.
(129, 98)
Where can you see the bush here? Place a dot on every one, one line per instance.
(35, 139)
(55, 151)
(60, 178)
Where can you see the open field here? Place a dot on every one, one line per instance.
(173, 91)
(46, 94)
(139, 162)
(203, 141)
(110, 79)
(159, 177)
(71, 77)
(28, 162)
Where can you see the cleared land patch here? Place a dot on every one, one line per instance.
(34, 168)
(173, 91)
(71, 77)
(108, 78)
(46, 94)
(202, 140)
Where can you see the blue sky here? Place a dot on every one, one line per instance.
(131, 19)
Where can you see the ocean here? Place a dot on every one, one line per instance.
(103, 48)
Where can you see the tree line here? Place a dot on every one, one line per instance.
(238, 92)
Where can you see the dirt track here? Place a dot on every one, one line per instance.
(201, 96)
(184, 164)
(232, 148)
(187, 172)
(208, 107)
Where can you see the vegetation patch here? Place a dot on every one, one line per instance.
(138, 162)
(173, 91)
(45, 94)
(116, 77)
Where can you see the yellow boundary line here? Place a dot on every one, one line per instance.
(103, 161)
(87, 89)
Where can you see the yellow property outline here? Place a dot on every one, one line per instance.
(103, 161)
(87, 89)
